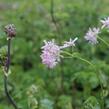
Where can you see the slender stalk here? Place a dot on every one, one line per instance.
(107, 44)
(98, 72)
(6, 77)
(103, 41)
(57, 26)
(53, 17)
(103, 103)
(75, 56)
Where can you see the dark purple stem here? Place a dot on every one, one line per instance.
(6, 77)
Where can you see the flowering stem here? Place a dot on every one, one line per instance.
(86, 61)
(58, 30)
(75, 56)
(6, 77)
(53, 17)
(103, 41)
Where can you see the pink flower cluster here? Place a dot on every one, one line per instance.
(105, 22)
(51, 52)
(92, 33)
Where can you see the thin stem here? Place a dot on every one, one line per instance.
(75, 56)
(8, 56)
(57, 26)
(103, 41)
(53, 17)
(99, 73)
(86, 61)
(6, 77)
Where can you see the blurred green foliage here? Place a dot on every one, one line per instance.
(74, 85)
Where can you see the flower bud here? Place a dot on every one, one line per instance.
(10, 30)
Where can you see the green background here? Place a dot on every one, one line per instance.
(73, 84)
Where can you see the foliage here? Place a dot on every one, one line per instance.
(78, 87)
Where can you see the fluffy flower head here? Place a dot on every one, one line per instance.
(105, 22)
(92, 34)
(51, 52)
